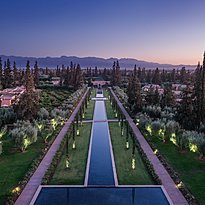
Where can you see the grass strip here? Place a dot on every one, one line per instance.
(123, 160)
(78, 159)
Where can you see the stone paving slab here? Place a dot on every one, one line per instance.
(34, 182)
(169, 185)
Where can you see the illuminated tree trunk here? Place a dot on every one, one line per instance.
(122, 126)
(127, 135)
(73, 145)
(133, 153)
(77, 125)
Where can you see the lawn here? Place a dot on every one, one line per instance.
(123, 160)
(109, 109)
(90, 109)
(187, 165)
(15, 164)
(78, 160)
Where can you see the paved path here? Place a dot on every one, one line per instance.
(169, 185)
(32, 185)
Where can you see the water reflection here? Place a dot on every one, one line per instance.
(101, 170)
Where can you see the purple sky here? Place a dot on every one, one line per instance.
(165, 31)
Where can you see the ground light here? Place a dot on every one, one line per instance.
(16, 190)
(78, 132)
(67, 162)
(155, 151)
(73, 146)
(137, 123)
(127, 145)
(133, 163)
(193, 147)
(122, 132)
(180, 185)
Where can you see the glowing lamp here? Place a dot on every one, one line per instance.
(149, 129)
(133, 163)
(155, 151)
(73, 147)
(127, 145)
(16, 190)
(78, 133)
(180, 185)
(193, 147)
(67, 163)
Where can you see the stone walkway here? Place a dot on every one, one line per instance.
(169, 185)
(32, 185)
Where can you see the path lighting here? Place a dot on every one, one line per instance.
(133, 163)
(137, 121)
(180, 185)
(116, 114)
(67, 162)
(122, 132)
(62, 122)
(16, 190)
(119, 123)
(127, 145)
(83, 116)
(155, 151)
(78, 132)
(73, 146)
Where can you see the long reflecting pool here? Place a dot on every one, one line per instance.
(100, 170)
(101, 196)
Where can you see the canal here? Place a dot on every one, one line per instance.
(101, 169)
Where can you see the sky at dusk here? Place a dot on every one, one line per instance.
(164, 31)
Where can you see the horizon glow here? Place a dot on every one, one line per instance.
(157, 31)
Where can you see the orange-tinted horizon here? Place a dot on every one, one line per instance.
(168, 32)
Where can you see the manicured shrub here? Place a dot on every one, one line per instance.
(171, 128)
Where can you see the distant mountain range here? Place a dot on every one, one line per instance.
(85, 62)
